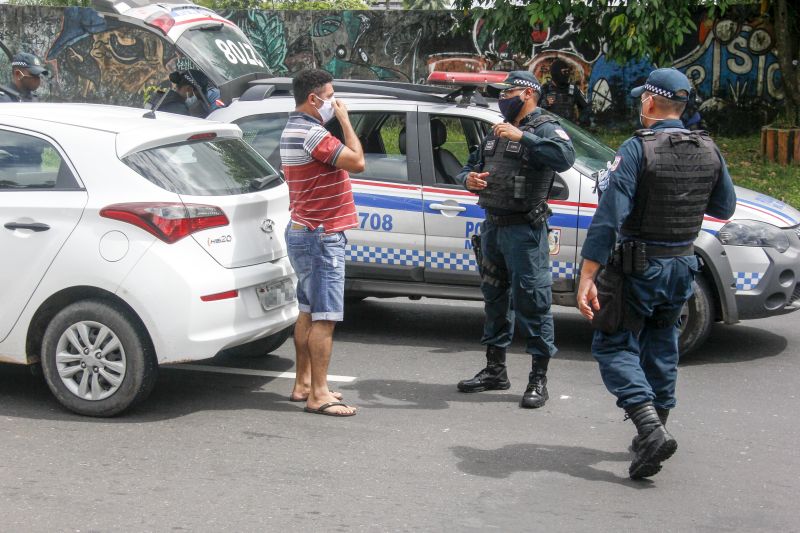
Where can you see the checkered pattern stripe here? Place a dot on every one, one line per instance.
(526, 83)
(451, 261)
(746, 281)
(441, 260)
(385, 256)
(563, 269)
(658, 90)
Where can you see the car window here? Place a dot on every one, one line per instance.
(263, 132)
(221, 51)
(383, 137)
(453, 138)
(28, 162)
(590, 153)
(205, 168)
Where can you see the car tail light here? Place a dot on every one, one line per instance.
(161, 21)
(203, 136)
(220, 296)
(170, 222)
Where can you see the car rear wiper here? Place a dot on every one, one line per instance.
(212, 26)
(259, 184)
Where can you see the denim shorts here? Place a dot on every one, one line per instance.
(318, 261)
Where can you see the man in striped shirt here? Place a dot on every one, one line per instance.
(316, 165)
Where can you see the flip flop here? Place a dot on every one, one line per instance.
(323, 409)
(306, 398)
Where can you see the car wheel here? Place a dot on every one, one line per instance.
(697, 317)
(260, 347)
(96, 360)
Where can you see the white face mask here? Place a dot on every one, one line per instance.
(641, 112)
(191, 100)
(326, 111)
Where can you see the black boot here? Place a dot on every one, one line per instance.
(654, 444)
(663, 414)
(493, 377)
(536, 394)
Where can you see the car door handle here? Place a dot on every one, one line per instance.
(445, 207)
(35, 226)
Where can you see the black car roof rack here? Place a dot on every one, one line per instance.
(463, 96)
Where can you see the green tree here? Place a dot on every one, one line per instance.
(426, 4)
(638, 29)
(296, 5)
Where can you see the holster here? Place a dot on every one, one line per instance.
(476, 249)
(491, 273)
(611, 295)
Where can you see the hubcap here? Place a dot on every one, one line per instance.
(90, 360)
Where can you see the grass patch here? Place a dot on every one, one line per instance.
(745, 165)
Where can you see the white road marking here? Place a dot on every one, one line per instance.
(250, 372)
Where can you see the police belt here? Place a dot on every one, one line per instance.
(652, 250)
(535, 216)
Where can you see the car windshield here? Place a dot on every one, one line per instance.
(590, 154)
(216, 168)
(221, 51)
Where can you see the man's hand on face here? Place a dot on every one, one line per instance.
(510, 132)
(476, 181)
(340, 111)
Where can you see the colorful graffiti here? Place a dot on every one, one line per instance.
(98, 60)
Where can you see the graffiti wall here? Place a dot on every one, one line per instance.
(95, 59)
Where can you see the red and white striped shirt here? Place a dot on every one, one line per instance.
(319, 193)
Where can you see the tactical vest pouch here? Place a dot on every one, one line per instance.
(513, 150)
(611, 295)
(490, 147)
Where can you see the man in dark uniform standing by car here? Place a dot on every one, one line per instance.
(654, 196)
(512, 172)
(563, 97)
(26, 72)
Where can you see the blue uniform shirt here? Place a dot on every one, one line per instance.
(548, 144)
(619, 190)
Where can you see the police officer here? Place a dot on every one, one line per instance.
(652, 203)
(512, 172)
(562, 97)
(26, 72)
(179, 99)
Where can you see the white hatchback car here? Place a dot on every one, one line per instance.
(132, 239)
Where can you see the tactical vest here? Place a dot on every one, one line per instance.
(678, 173)
(515, 182)
(564, 104)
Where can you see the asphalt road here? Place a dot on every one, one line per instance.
(214, 451)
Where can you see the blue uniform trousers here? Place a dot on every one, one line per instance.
(524, 252)
(644, 367)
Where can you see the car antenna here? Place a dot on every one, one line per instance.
(152, 112)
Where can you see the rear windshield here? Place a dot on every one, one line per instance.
(221, 51)
(216, 168)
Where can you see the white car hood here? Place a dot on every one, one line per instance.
(752, 205)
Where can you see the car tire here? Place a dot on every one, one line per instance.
(697, 317)
(96, 360)
(260, 347)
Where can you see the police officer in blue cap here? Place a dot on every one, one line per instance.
(512, 172)
(26, 72)
(652, 202)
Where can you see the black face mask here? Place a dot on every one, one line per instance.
(510, 107)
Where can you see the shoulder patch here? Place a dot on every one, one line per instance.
(561, 133)
(615, 164)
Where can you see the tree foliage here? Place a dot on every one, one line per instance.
(640, 29)
(634, 29)
(296, 5)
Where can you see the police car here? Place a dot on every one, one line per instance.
(415, 221)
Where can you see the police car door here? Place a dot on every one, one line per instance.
(452, 215)
(389, 241)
